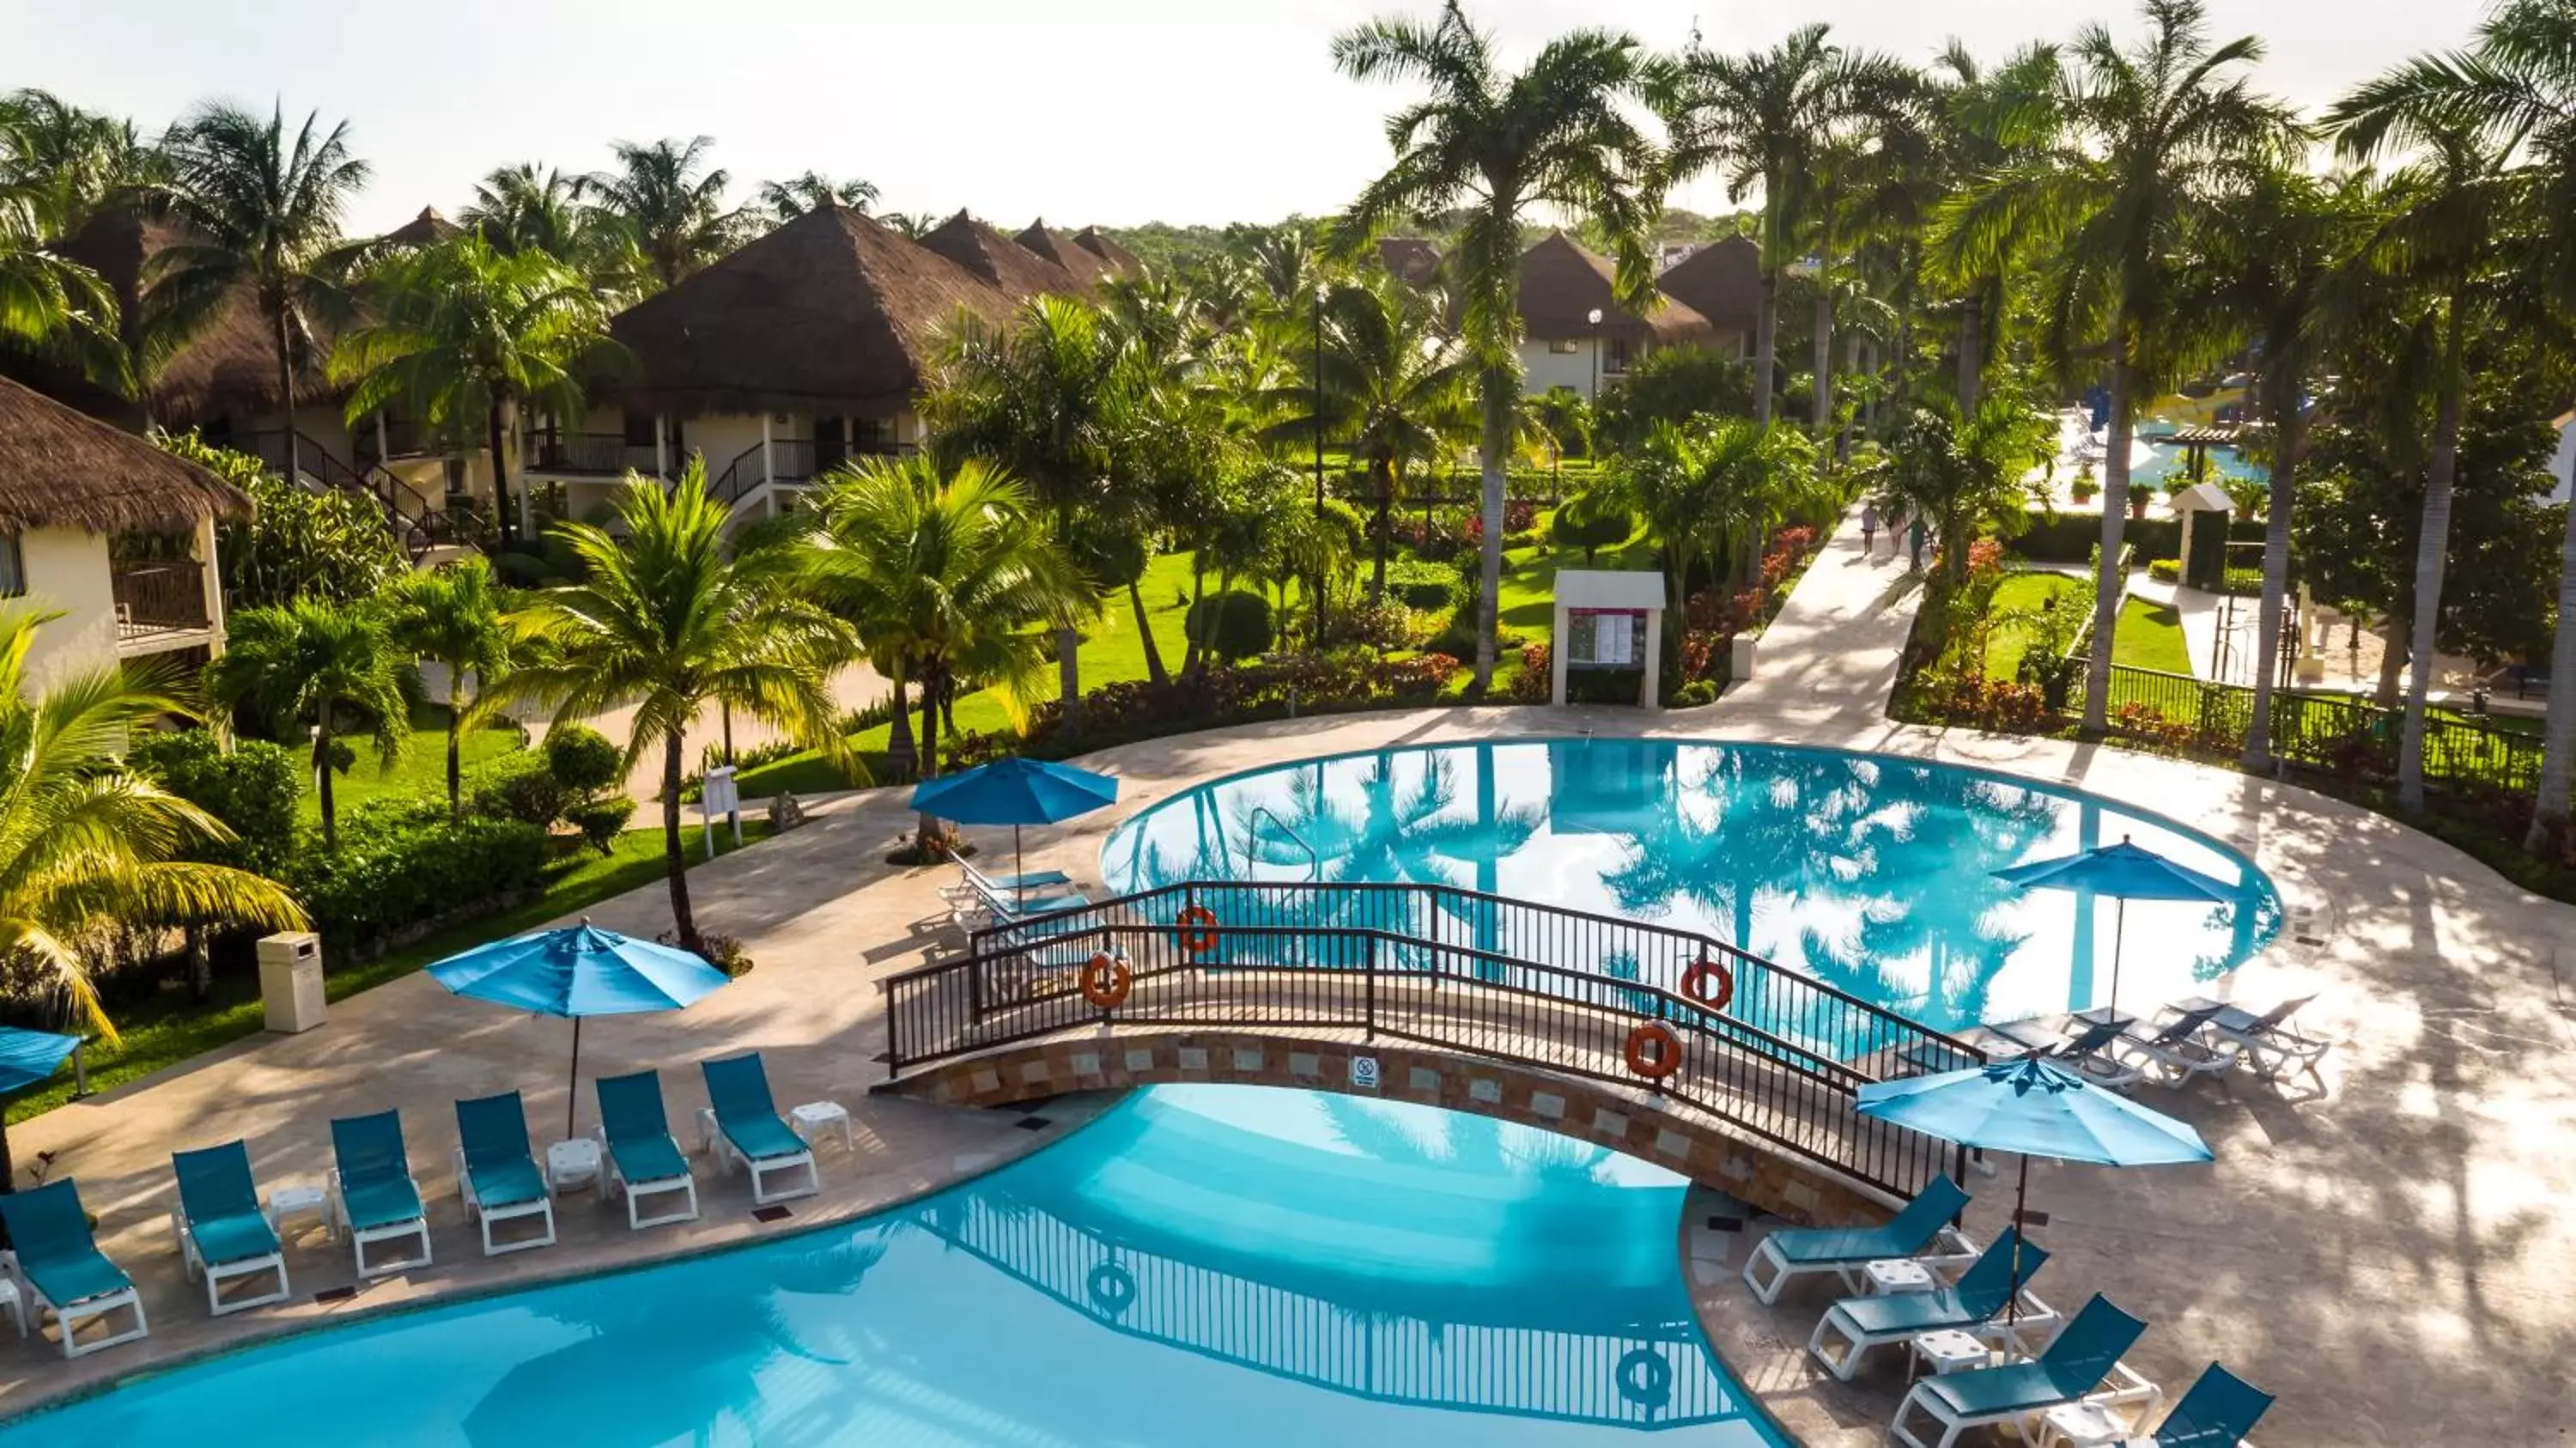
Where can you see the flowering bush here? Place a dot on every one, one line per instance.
(1536, 680)
(2144, 722)
(1143, 709)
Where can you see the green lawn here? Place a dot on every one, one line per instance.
(2019, 595)
(2150, 637)
(175, 1026)
(420, 769)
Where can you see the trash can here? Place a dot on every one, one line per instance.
(290, 980)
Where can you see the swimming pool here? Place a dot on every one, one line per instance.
(2167, 457)
(1202, 1264)
(1871, 873)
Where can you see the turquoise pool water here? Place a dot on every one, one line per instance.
(2169, 457)
(1205, 1264)
(1869, 872)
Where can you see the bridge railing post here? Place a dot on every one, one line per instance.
(1368, 995)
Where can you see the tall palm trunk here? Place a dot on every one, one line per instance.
(928, 835)
(1385, 477)
(1766, 342)
(1822, 415)
(675, 857)
(2107, 582)
(505, 428)
(2282, 404)
(901, 757)
(1195, 656)
(1501, 388)
(1068, 649)
(1972, 346)
(322, 778)
(1154, 669)
(2431, 547)
(455, 742)
(2558, 731)
(286, 397)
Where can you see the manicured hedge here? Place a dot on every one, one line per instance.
(400, 872)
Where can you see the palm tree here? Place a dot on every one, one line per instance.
(452, 616)
(49, 301)
(529, 207)
(944, 574)
(1714, 488)
(1498, 144)
(673, 207)
(1050, 399)
(465, 335)
(1992, 119)
(1963, 475)
(1395, 384)
(812, 191)
(84, 844)
(665, 622)
(2514, 90)
(320, 665)
(1760, 121)
(260, 215)
(2152, 137)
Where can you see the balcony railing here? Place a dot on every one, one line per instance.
(601, 454)
(159, 597)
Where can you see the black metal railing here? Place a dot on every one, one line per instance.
(1782, 1060)
(791, 460)
(1357, 1348)
(159, 596)
(603, 454)
(418, 523)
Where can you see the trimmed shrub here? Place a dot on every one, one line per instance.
(385, 879)
(581, 758)
(254, 790)
(1421, 585)
(1592, 522)
(601, 820)
(1236, 624)
(520, 787)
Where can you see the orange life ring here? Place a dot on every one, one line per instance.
(1106, 980)
(1198, 930)
(1666, 1048)
(1695, 983)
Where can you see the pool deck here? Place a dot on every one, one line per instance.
(2390, 1255)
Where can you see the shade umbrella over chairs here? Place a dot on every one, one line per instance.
(577, 971)
(1016, 792)
(2125, 872)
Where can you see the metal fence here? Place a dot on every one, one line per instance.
(1781, 1059)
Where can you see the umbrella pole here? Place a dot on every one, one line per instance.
(2119, 942)
(572, 1082)
(1020, 870)
(2012, 1280)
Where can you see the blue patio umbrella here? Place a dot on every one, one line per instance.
(1015, 792)
(2035, 1107)
(27, 1057)
(579, 970)
(2125, 872)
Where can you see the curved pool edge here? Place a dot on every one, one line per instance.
(253, 1330)
(1765, 1347)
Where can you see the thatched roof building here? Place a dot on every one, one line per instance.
(427, 229)
(1562, 284)
(230, 368)
(61, 469)
(831, 312)
(1412, 260)
(1090, 266)
(1015, 270)
(1100, 244)
(1721, 281)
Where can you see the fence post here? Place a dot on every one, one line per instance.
(894, 1031)
(1368, 1030)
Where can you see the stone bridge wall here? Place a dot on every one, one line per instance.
(1673, 1136)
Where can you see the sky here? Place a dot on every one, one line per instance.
(1108, 111)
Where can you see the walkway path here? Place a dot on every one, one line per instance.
(1830, 655)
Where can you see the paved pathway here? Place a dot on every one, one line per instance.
(1830, 655)
(2391, 1257)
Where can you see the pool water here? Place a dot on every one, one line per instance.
(1871, 873)
(2168, 458)
(1204, 1264)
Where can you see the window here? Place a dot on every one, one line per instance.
(639, 429)
(13, 567)
(1615, 360)
(1565, 347)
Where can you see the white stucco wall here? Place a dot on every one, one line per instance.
(67, 574)
(2562, 464)
(1542, 369)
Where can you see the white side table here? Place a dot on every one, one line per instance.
(816, 1117)
(1893, 1276)
(17, 1306)
(706, 1129)
(573, 1163)
(287, 1203)
(1949, 1351)
(2083, 1425)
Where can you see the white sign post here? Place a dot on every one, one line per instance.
(720, 796)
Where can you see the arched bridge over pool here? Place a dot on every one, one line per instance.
(1561, 1018)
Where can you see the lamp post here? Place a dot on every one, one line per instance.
(1319, 398)
(1595, 319)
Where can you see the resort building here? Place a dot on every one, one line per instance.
(1576, 334)
(1721, 281)
(112, 533)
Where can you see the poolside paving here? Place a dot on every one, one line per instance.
(2389, 1250)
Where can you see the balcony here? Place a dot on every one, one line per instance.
(160, 604)
(588, 455)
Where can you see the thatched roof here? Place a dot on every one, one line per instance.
(228, 369)
(1099, 243)
(427, 229)
(1090, 266)
(830, 311)
(1003, 263)
(61, 469)
(1561, 284)
(1721, 281)
(1412, 260)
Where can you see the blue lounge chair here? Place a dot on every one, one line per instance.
(2218, 1412)
(1796, 1251)
(643, 1160)
(61, 1267)
(2072, 1368)
(496, 1174)
(1851, 1327)
(222, 1232)
(748, 1130)
(373, 1197)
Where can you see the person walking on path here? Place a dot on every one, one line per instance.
(1914, 544)
(1869, 530)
